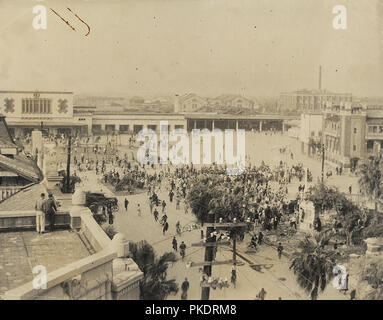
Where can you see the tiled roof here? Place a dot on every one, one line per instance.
(6, 140)
(24, 199)
(22, 166)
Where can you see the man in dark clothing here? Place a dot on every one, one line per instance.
(185, 287)
(280, 249)
(155, 213)
(171, 195)
(126, 204)
(174, 243)
(50, 207)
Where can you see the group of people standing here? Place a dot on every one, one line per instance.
(45, 208)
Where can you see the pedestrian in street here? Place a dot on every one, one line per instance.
(165, 228)
(151, 205)
(139, 210)
(178, 204)
(260, 237)
(126, 202)
(174, 244)
(163, 206)
(182, 249)
(234, 276)
(40, 214)
(350, 189)
(261, 295)
(185, 287)
(171, 195)
(51, 209)
(280, 249)
(155, 213)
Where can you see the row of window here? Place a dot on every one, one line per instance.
(375, 129)
(36, 106)
(136, 127)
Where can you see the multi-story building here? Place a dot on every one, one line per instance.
(312, 100)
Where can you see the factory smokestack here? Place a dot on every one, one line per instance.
(320, 78)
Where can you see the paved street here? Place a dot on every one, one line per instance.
(272, 274)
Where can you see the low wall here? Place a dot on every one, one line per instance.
(19, 220)
(87, 279)
(94, 234)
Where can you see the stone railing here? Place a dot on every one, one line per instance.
(22, 220)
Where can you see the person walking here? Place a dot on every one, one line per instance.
(139, 210)
(234, 276)
(280, 249)
(51, 209)
(155, 213)
(171, 195)
(151, 205)
(185, 287)
(165, 228)
(40, 214)
(163, 206)
(174, 244)
(261, 295)
(126, 202)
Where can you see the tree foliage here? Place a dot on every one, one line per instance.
(371, 179)
(313, 265)
(155, 285)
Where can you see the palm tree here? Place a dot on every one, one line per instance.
(371, 179)
(154, 286)
(313, 265)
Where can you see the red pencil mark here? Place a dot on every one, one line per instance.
(68, 24)
(81, 21)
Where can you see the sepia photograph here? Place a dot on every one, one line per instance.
(172, 150)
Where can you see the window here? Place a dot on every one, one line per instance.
(380, 129)
(110, 127)
(375, 129)
(36, 106)
(355, 130)
(124, 128)
(354, 147)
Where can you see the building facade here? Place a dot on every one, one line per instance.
(312, 100)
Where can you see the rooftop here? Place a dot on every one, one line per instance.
(20, 252)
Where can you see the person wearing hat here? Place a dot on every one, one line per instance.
(51, 209)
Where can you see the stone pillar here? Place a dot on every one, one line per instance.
(283, 127)
(77, 209)
(38, 147)
(195, 124)
(126, 274)
(212, 125)
(236, 125)
(260, 125)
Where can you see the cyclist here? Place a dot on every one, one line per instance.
(182, 249)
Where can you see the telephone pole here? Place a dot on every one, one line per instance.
(210, 246)
(208, 255)
(68, 164)
(323, 151)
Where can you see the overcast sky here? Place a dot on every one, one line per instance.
(252, 47)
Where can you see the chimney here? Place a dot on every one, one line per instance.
(320, 78)
(176, 103)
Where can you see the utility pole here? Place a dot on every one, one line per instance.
(323, 151)
(68, 164)
(208, 255)
(210, 246)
